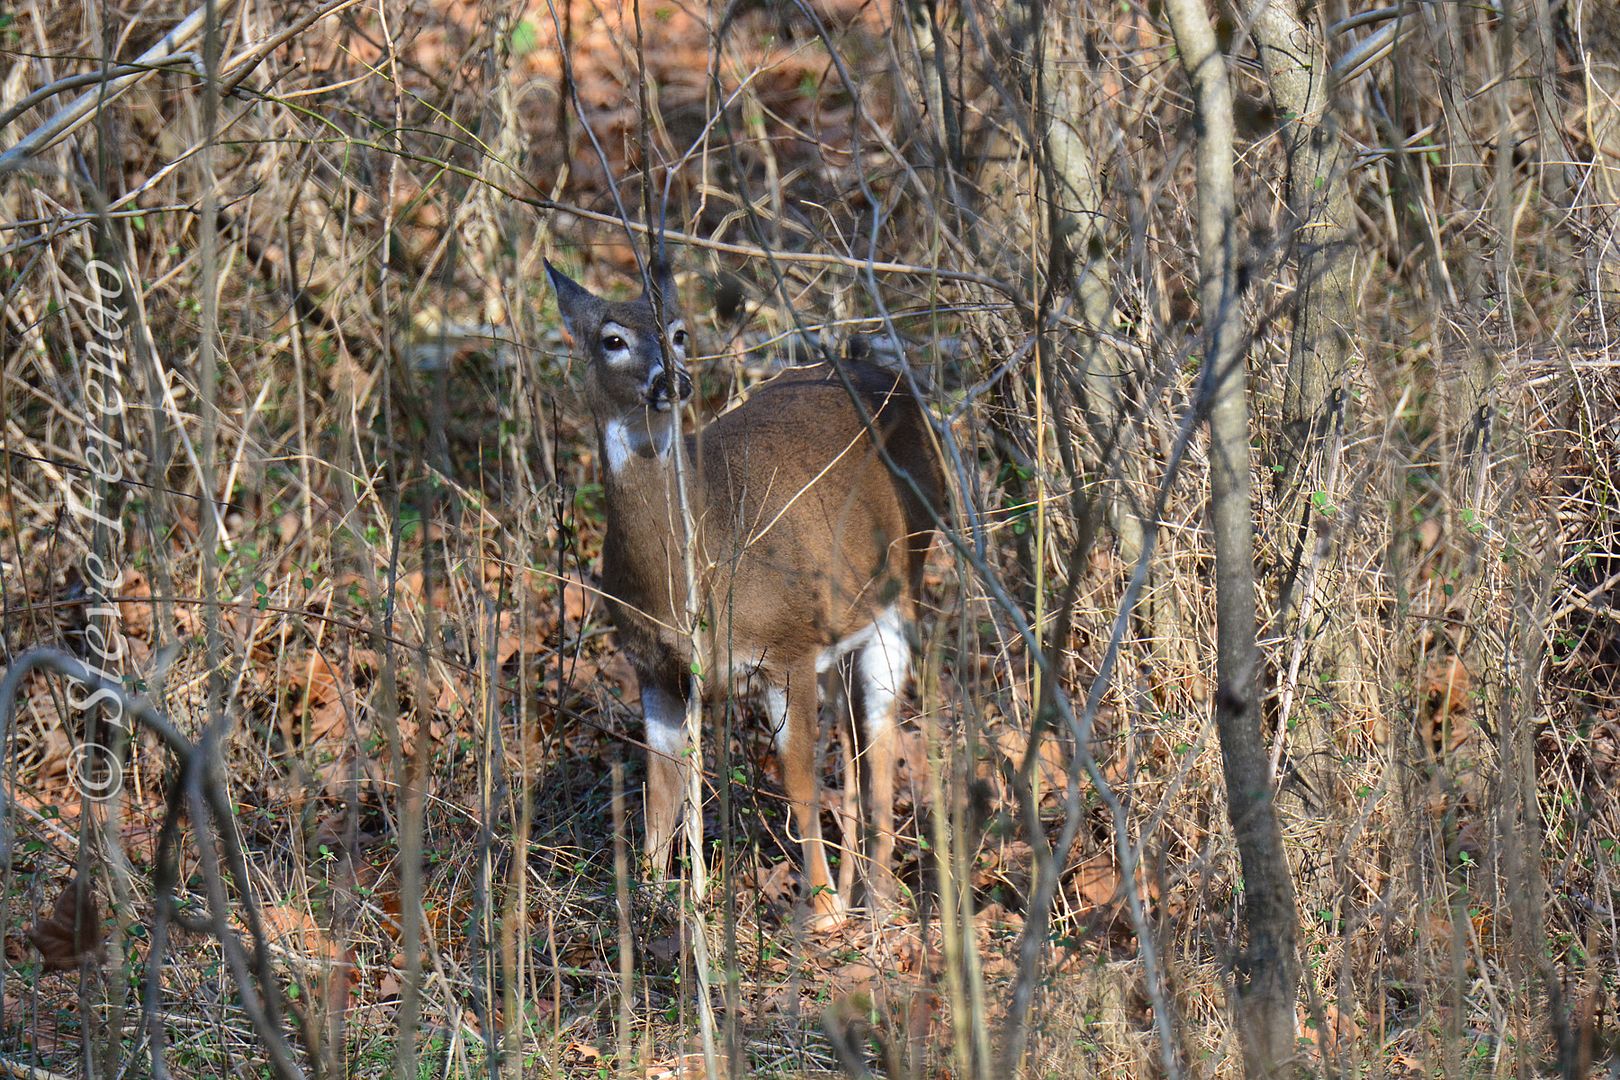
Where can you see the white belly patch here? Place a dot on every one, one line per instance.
(887, 622)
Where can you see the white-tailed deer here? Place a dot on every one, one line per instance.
(809, 549)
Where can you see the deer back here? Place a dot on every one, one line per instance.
(806, 530)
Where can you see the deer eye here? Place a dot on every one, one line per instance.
(679, 338)
(613, 343)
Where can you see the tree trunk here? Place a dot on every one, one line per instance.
(1266, 976)
(1318, 197)
(1073, 194)
(1598, 36)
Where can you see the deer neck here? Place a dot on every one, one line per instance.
(634, 441)
(638, 452)
(643, 547)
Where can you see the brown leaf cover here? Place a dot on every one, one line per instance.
(71, 934)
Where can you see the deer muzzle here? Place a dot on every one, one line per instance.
(668, 387)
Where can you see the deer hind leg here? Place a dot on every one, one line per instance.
(882, 666)
(667, 765)
(793, 716)
(849, 811)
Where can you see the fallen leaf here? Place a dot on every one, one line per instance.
(288, 527)
(295, 930)
(1341, 1029)
(616, 671)
(71, 933)
(53, 759)
(772, 884)
(911, 763)
(856, 975)
(665, 948)
(452, 692)
(514, 638)
(326, 719)
(1096, 880)
(414, 586)
(998, 917)
(1445, 707)
(135, 610)
(316, 693)
(578, 598)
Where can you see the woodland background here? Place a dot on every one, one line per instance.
(388, 831)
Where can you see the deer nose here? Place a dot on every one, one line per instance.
(658, 388)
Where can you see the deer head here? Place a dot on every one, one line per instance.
(635, 372)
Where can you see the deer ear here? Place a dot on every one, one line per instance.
(572, 298)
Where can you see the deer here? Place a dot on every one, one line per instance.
(810, 528)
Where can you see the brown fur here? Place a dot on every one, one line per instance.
(853, 541)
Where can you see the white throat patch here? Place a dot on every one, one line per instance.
(619, 444)
(616, 446)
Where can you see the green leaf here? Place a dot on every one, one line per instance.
(525, 38)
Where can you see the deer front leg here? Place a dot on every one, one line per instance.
(667, 762)
(793, 711)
